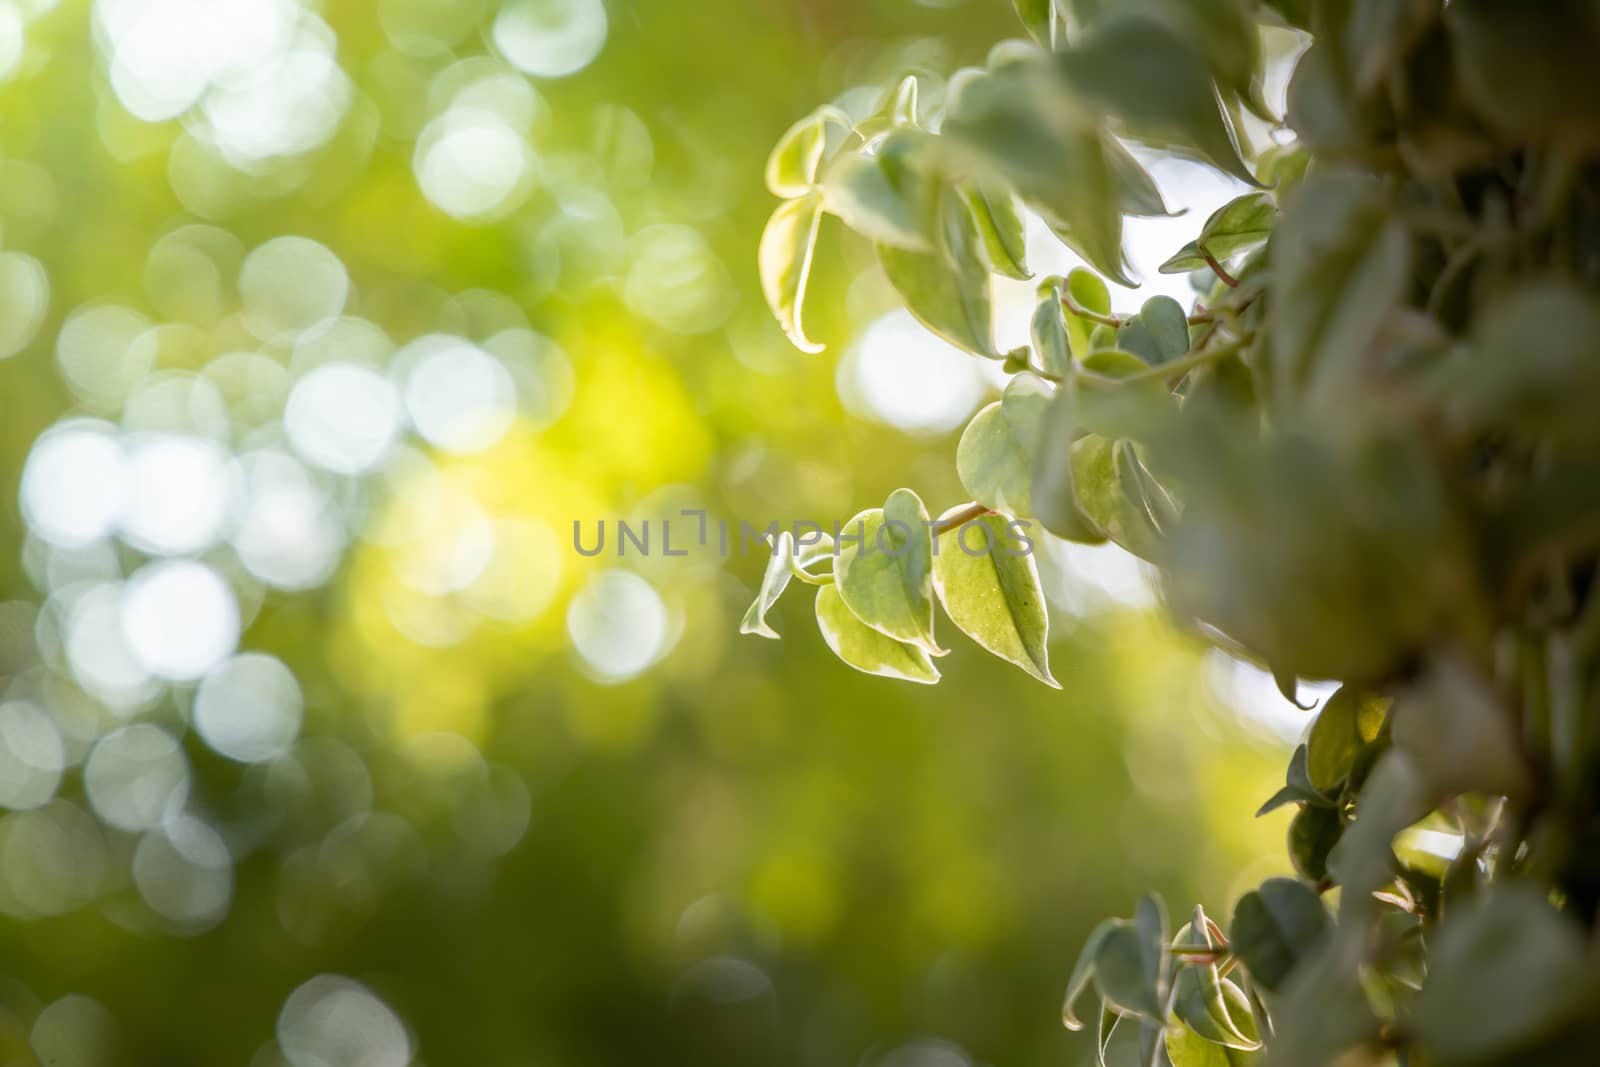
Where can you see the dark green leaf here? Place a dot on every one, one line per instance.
(1312, 835)
(1529, 68)
(1297, 788)
(1275, 927)
(1082, 974)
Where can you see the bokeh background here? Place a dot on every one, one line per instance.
(321, 325)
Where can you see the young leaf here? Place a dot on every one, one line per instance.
(792, 166)
(989, 587)
(773, 582)
(1235, 227)
(995, 457)
(1000, 231)
(866, 649)
(1158, 334)
(787, 245)
(1275, 927)
(1347, 723)
(887, 579)
(1210, 1005)
(1050, 333)
(903, 105)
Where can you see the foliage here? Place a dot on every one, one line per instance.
(1369, 455)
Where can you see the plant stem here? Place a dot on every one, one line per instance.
(1227, 279)
(1083, 313)
(959, 518)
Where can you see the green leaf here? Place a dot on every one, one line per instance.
(1235, 227)
(887, 578)
(1341, 264)
(989, 587)
(1158, 334)
(1050, 332)
(1127, 970)
(1530, 367)
(1000, 232)
(1114, 363)
(1505, 971)
(1275, 927)
(903, 104)
(995, 457)
(1205, 1002)
(1159, 84)
(792, 166)
(1101, 476)
(1058, 502)
(1038, 18)
(1297, 788)
(773, 582)
(1019, 126)
(947, 291)
(1089, 293)
(1312, 835)
(787, 245)
(866, 649)
(1347, 723)
(878, 201)
(1186, 1048)
(1082, 974)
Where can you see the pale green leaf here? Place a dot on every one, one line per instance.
(773, 582)
(886, 578)
(1126, 971)
(989, 586)
(1237, 226)
(947, 291)
(792, 166)
(787, 246)
(861, 190)
(1050, 332)
(1000, 232)
(1158, 334)
(866, 649)
(995, 457)
(1082, 973)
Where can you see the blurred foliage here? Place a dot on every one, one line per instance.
(1367, 455)
(321, 325)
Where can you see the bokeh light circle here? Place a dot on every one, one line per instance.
(333, 1021)
(249, 708)
(136, 777)
(618, 625)
(343, 417)
(551, 38)
(180, 618)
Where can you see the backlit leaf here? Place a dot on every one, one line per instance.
(887, 578)
(792, 166)
(1235, 227)
(995, 457)
(1275, 927)
(985, 577)
(866, 649)
(773, 582)
(787, 245)
(1347, 723)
